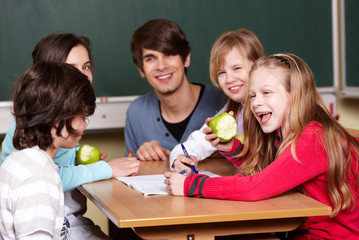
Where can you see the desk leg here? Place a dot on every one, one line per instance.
(210, 230)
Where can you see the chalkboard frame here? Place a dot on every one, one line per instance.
(349, 40)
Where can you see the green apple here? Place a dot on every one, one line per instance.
(88, 154)
(224, 126)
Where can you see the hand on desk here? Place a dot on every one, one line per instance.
(214, 141)
(152, 151)
(182, 163)
(175, 183)
(124, 166)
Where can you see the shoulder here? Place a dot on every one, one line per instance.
(208, 89)
(212, 100)
(150, 96)
(215, 94)
(211, 88)
(143, 101)
(312, 137)
(28, 170)
(142, 107)
(313, 129)
(30, 162)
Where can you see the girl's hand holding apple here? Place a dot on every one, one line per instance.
(220, 131)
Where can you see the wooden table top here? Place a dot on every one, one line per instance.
(129, 208)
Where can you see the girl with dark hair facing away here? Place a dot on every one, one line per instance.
(291, 141)
(48, 117)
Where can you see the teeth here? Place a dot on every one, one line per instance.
(264, 113)
(165, 76)
(233, 88)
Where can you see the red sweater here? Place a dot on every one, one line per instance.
(283, 174)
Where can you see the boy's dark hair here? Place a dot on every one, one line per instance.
(161, 35)
(57, 46)
(49, 95)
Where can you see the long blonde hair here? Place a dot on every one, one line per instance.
(306, 105)
(248, 45)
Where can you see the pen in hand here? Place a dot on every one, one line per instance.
(194, 170)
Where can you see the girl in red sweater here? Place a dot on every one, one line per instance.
(291, 141)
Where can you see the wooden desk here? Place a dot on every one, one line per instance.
(169, 217)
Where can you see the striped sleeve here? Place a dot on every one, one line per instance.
(193, 185)
(36, 207)
(232, 154)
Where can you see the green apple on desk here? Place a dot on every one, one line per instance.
(88, 154)
(224, 126)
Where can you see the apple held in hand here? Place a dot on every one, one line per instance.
(88, 154)
(224, 126)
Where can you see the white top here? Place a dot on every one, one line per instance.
(31, 197)
(196, 144)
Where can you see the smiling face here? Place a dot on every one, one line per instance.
(165, 73)
(233, 76)
(269, 99)
(79, 58)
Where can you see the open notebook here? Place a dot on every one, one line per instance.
(152, 184)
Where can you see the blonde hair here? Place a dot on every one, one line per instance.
(306, 105)
(249, 46)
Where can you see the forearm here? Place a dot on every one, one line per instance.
(283, 174)
(74, 176)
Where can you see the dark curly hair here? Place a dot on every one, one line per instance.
(49, 95)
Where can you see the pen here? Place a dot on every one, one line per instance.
(186, 154)
(129, 153)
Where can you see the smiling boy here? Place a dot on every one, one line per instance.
(164, 117)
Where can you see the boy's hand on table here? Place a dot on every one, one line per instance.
(152, 151)
(124, 166)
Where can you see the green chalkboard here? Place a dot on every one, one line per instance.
(302, 27)
(351, 43)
